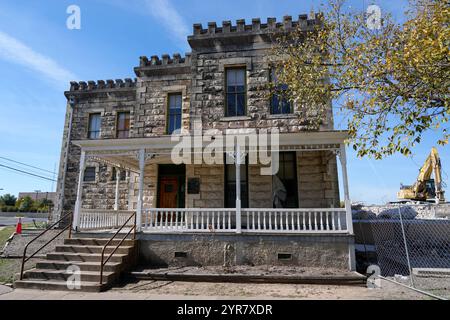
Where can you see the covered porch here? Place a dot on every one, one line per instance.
(196, 198)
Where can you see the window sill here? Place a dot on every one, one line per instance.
(282, 116)
(239, 118)
(90, 182)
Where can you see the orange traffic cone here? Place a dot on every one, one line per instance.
(19, 226)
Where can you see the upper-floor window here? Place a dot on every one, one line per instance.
(279, 104)
(89, 174)
(123, 124)
(174, 112)
(235, 92)
(94, 126)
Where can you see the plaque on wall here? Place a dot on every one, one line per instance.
(193, 185)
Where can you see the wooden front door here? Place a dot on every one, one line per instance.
(168, 192)
(168, 197)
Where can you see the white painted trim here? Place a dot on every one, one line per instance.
(141, 188)
(348, 208)
(116, 194)
(164, 142)
(76, 214)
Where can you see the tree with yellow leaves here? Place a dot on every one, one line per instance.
(391, 83)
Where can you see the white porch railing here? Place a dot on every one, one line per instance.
(324, 220)
(254, 220)
(92, 219)
(189, 219)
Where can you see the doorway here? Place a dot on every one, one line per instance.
(171, 186)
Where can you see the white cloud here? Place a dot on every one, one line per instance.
(165, 13)
(17, 52)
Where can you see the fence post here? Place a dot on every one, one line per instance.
(406, 246)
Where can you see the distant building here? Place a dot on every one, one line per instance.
(38, 195)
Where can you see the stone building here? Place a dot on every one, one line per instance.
(117, 158)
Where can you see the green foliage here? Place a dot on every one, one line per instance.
(25, 204)
(8, 200)
(392, 84)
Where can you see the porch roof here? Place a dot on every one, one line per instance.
(332, 137)
(124, 152)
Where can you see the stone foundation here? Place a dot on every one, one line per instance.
(323, 251)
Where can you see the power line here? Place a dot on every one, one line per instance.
(29, 173)
(28, 165)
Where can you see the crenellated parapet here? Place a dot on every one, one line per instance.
(100, 86)
(165, 64)
(212, 33)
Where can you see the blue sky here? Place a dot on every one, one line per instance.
(39, 56)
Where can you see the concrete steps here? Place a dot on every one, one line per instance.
(63, 275)
(97, 242)
(84, 257)
(42, 284)
(79, 259)
(92, 249)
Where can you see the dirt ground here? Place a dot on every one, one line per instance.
(157, 290)
(268, 270)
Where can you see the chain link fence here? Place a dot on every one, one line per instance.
(410, 243)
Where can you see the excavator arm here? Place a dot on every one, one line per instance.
(418, 191)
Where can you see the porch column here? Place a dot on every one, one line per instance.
(116, 199)
(76, 213)
(237, 162)
(141, 188)
(348, 207)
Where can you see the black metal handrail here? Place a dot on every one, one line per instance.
(24, 257)
(133, 228)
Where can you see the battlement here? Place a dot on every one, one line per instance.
(102, 84)
(164, 65)
(255, 27)
(166, 59)
(99, 86)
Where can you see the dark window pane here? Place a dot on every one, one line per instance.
(174, 114)
(231, 105)
(89, 174)
(279, 102)
(240, 89)
(231, 89)
(235, 95)
(240, 104)
(123, 124)
(113, 174)
(94, 126)
(240, 76)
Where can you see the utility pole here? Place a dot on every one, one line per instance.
(37, 191)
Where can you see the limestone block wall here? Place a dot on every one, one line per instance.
(211, 186)
(100, 194)
(259, 188)
(157, 79)
(208, 92)
(317, 179)
(150, 187)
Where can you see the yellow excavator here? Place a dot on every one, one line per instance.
(426, 189)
